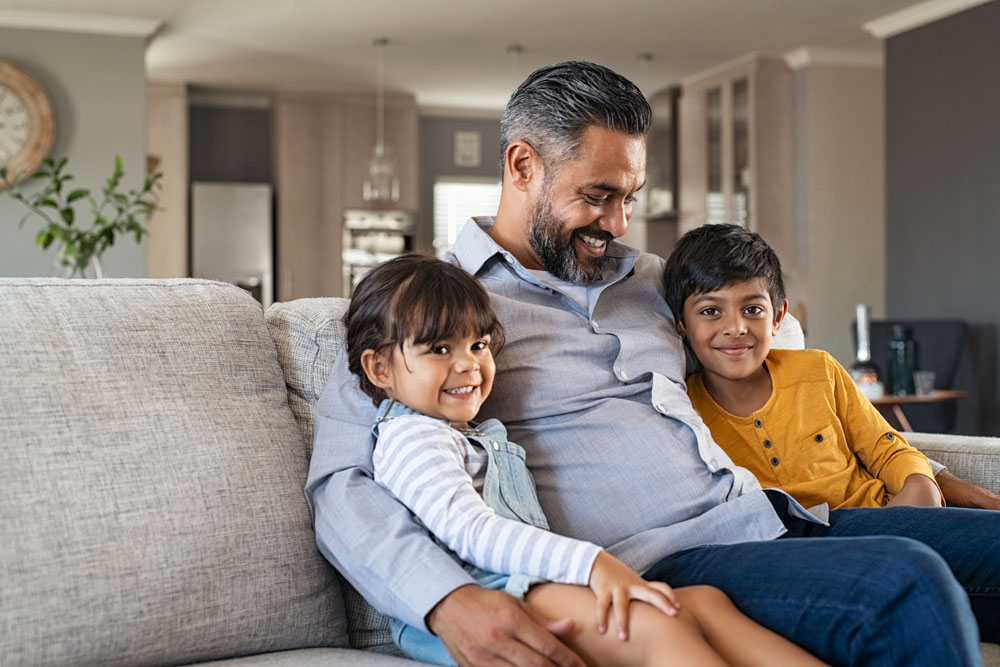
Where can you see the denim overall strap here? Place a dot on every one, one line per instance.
(509, 488)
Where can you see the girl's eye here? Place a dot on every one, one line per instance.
(439, 349)
(754, 310)
(480, 345)
(710, 311)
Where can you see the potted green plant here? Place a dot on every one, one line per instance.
(110, 214)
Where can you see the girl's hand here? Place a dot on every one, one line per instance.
(615, 585)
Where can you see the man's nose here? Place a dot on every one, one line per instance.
(615, 219)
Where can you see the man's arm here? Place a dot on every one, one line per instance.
(371, 538)
(959, 493)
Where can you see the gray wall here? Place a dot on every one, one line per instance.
(97, 87)
(437, 151)
(943, 190)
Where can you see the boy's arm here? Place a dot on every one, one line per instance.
(879, 447)
(918, 490)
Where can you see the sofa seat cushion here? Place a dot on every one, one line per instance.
(151, 475)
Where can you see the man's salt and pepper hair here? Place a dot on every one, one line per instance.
(557, 103)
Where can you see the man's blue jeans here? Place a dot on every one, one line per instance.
(879, 586)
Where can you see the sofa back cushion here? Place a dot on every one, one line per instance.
(151, 479)
(309, 334)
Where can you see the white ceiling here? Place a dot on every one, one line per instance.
(454, 53)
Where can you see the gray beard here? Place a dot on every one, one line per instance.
(558, 256)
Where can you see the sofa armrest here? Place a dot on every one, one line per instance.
(974, 459)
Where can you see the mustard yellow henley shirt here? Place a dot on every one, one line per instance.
(817, 437)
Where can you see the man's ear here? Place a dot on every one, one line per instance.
(522, 165)
(779, 316)
(376, 367)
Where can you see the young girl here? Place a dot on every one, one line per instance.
(420, 338)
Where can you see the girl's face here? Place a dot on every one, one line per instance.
(447, 379)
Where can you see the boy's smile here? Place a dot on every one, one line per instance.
(730, 332)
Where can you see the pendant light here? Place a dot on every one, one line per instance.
(381, 183)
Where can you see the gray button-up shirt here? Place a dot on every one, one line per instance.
(596, 397)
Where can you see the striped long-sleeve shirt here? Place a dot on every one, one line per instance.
(435, 471)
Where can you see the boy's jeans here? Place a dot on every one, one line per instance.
(893, 589)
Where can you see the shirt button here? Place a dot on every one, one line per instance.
(623, 375)
(819, 437)
(510, 260)
(658, 407)
(593, 323)
(496, 445)
(758, 423)
(775, 461)
(767, 444)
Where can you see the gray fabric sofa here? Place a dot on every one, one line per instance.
(154, 442)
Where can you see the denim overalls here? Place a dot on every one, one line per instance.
(509, 490)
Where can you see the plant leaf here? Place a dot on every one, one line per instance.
(79, 193)
(67, 215)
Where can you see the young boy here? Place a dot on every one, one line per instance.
(792, 417)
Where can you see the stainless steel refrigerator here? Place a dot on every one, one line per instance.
(232, 235)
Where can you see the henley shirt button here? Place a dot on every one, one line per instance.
(510, 260)
(593, 323)
(767, 444)
(496, 445)
(623, 375)
(774, 460)
(758, 423)
(819, 437)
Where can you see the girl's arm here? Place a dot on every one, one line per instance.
(421, 461)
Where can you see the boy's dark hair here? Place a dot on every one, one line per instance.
(553, 107)
(715, 256)
(419, 298)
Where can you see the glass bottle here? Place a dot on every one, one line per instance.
(863, 371)
(902, 361)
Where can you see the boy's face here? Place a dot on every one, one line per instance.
(730, 329)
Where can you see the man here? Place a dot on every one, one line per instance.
(591, 384)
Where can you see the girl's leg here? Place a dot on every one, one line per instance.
(654, 638)
(740, 640)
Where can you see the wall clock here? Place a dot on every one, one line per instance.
(26, 122)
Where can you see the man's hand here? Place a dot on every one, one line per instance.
(960, 493)
(615, 584)
(919, 490)
(485, 627)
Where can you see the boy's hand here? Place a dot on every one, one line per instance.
(615, 584)
(917, 490)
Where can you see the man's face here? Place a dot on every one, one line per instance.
(585, 203)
